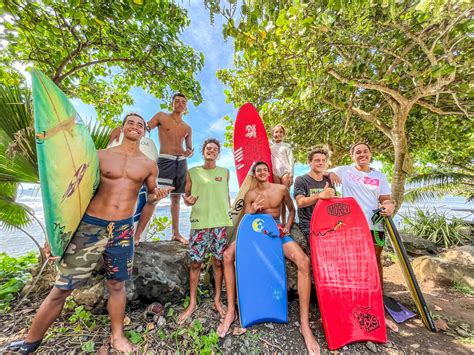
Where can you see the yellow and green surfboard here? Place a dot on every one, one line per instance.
(67, 162)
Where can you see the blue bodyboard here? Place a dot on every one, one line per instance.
(260, 271)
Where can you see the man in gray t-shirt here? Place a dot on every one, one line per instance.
(311, 187)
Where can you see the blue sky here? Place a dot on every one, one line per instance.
(206, 119)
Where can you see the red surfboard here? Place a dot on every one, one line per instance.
(345, 273)
(250, 142)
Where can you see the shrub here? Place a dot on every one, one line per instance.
(437, 227)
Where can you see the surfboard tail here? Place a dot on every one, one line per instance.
(409, 275)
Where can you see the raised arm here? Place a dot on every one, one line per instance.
(154, 121)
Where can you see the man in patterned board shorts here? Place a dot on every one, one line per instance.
(207, 190)
(105, 231)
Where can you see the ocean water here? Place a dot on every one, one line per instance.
(16, 243)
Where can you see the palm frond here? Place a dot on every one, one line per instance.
(435, 185)
(14, 214)
(100, 134)
(16, 109)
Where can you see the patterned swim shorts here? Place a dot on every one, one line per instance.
(214, 239)
(95, 238)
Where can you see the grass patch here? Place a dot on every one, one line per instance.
(463, 288)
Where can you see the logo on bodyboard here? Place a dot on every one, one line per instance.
(250, 131)
(258, 225)
(366, 320)
(239, 204)
(338, 209)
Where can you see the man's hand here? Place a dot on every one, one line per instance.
(158, 194)
(47, 252)
(327, 193)
(188, 152)
(115, 134)
(257, 205)
(190, 200)
(335, 180)
(137, 239)
(387, 208)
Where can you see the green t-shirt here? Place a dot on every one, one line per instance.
(211, 210)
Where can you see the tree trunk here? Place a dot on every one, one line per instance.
(402, 163)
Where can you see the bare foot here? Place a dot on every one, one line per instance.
(311, 343)
(179, 238)
(220, 308)
(229, 318)
(391, 325)
(122, 344)
(186, 314)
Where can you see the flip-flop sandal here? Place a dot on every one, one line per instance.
(23, 347)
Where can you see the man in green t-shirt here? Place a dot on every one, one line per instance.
(207, 191)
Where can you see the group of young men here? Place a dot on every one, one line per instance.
(107, 228)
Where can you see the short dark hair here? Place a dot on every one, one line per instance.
(351, 150)
(133, 114)
(318, 150)
(211, 140)
(260, 162)
(178, 94)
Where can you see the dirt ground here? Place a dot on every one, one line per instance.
(446, 304)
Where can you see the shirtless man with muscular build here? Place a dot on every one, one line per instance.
(268, 198)
(106, 231)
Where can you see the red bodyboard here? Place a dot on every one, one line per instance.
(346, 274)
(250, 142)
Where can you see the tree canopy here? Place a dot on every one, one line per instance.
(97, 50)
(395, 75)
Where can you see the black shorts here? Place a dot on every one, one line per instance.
(172, 171)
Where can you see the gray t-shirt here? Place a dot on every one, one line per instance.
(307, 186)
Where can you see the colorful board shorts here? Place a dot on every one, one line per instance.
(95, 238)
(213, 240)
(285, 238)
(172, 171)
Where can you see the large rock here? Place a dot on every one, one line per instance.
(416, 246)
(160, 273)
(454, 265)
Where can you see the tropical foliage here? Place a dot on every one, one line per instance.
(437, 227)
(98, 50)
(455, 180)
(14, 273)
(396, 75)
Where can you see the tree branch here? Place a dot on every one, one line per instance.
(439, 111)
(94, 62)
(366, 84)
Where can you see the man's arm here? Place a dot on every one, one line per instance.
(387, 205)
(188, 199)
(327, 193)
(189, 143)
(154, 195)
(253, 202)
(291, 209)
(154, 121)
